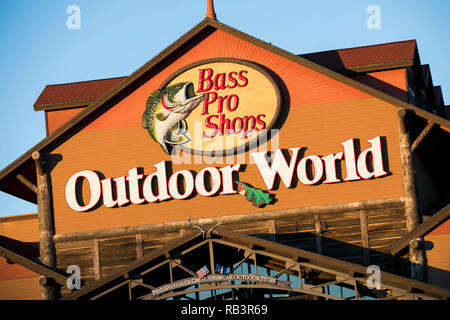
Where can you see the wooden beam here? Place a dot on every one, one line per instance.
(96, 253)
(47, 252)
(429, 225)
(284, 270)
(272, 226)
(241, 218)
(139, 246)
(422, 136)
(417, 257)
(241, 262)
(27, 183)
(318, 230)
(178, 264)
(420, 244)
(320, 263)
(33, 266)
(211, 256)
(365, 236)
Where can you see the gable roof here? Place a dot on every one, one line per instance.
(206, 25)
(74, 94)
(367, 58)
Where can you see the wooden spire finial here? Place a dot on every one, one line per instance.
(210, 12)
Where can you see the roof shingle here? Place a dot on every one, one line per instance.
(381, 54)
(77, 91)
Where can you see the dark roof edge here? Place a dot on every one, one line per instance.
(207, 22)
(359, 47)
(64, 105)
(27, 216)
(72, 83)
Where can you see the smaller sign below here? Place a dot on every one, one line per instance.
(188, 282)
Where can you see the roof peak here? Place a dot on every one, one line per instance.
(210, 12)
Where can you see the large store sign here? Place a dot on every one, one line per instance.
(136, 188)
(212, 107)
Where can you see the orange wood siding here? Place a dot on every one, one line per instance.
(322, 113)
(15, 280)
(391, 82)
(320, 128)
(20, 289)
(442, 229)
(57, 118)
(439, 257)
(14, 271)
(306, 87)
(23, 228)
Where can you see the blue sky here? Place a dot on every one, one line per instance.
(119, 36)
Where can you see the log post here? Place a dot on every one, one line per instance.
(365, 236)
(46, 228)
(318, 229)
(416, 257)
(272, 226)
(96, 259)
(140, 245)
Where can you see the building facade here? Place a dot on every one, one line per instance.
(227, 168)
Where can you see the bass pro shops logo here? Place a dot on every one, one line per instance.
(213, 108)
(166, 112)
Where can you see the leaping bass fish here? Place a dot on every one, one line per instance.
(166, 112)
